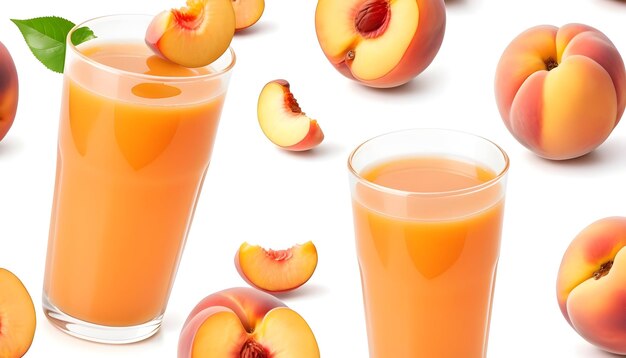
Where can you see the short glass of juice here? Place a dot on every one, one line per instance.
(135, 140)
(428, 207)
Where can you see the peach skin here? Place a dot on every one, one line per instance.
(247, 12)
(245, 323)
(561, 91)
(380, 43)
(17, 316)
(8, 91)
(276, 270)
(591, 281)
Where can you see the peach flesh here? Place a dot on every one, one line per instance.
(187, 20)
(18, 319)
(194, 35)
(276, 271)
(380, 43)
(244, 322)
(282, 121)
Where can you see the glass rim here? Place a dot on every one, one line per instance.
(154, 78)
(447, 193)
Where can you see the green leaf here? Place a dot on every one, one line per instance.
(81, 35)
(45, 36)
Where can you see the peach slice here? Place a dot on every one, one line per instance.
(195, 35)
(282, 120)
(247, 12)
(276, 270)
(380, 43)
(8, 91)
(591, 281)
(17, 316)
(246, 323)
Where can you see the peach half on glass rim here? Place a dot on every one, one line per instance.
(245, 323)
(276, 270)
(282, 120)
(380, 43)
(194, 35)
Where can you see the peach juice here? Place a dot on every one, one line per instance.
(428, 238)
(135, 141)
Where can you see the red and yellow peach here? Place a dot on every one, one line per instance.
(591, 281)
(244, 322)
(561, 91)
(380, 43)
(8, 90)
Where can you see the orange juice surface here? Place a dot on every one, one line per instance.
(428, 261)
(131, 158)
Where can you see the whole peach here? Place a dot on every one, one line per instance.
(591, 284)
(380, 43)
(561, 91)
(8, 90)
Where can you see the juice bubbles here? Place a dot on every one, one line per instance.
(427, 233)
(135, 141)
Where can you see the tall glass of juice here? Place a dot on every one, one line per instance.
(428, 208)
(135, 140)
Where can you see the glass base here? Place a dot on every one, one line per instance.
(97, 333)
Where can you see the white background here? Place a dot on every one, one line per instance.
(258, 193)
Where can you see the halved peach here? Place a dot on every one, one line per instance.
(195, 35)
(17, 316)
(246, 323)
(276, 270)
(282, 120)
(247, 12)
(380, 43)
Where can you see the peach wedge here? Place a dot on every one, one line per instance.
(17, 316)
(380, 43)
(195, 35)
(283, 122)
(245, 323)
(561, 91)
(591, 281)
(276, 270)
